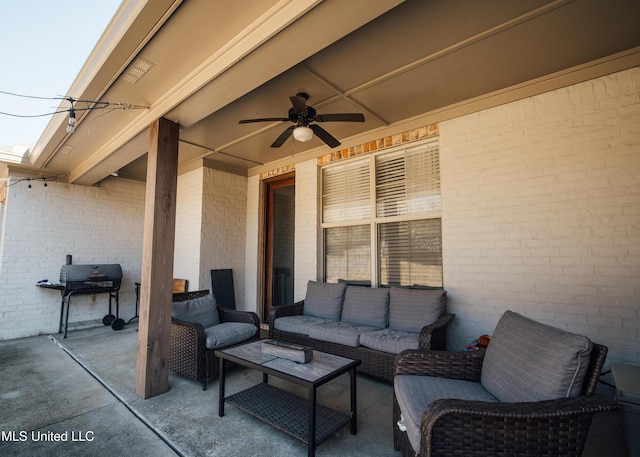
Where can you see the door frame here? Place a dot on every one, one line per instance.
(266, 235)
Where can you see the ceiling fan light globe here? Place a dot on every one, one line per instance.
(302, 133)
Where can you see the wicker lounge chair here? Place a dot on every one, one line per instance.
(190, 355)
(450, 426)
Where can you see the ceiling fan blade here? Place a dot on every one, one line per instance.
(324, 136)
(299, 104)
(264, 119)
(283, 137)
(341, 117)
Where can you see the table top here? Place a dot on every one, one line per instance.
(320, 367)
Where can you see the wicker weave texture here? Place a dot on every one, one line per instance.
(470, 428)
(288, 412)
(188, 354)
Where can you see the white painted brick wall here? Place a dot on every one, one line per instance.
(541, 213)
(224, 222)
(251, 247)
(101, 224)
(186, 264)
(306, 237)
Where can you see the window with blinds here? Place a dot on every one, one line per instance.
(410, 253)
(346, 192)
(408, 182)
(381, 218)
(347, 254)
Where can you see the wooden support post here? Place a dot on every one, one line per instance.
(152, 369)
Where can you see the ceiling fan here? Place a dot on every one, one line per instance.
(302, 115)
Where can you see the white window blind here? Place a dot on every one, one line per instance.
(410, 253)
(346, 193)
(348, 253)
(388, 204)
(408, 181)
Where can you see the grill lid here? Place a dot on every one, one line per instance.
(90, 273)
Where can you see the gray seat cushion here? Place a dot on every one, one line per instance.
(228, 333)
(415, 393)
(202, 310)
(412, 309)
(324, 300)
(390, 340)
(298, 324)
(339, 332)
(366, 306)
(530, 361)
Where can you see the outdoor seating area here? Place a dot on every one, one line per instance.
(50, 384)
(356, 228)
(369, 324)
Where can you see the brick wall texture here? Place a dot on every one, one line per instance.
(541, 213)
(102, 224)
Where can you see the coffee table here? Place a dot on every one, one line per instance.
(302, 418)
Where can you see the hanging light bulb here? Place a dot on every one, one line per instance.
(71, 126)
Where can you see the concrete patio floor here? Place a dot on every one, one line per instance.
(76, 397)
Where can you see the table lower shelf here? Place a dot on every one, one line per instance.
(288, 412)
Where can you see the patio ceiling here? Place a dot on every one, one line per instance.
(211, 63)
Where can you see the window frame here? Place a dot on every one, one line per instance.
(374, 221)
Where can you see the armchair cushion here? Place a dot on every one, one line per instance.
(366, 306)
(390, 340)
(228, 334)
(202, 310)
(412, 309)
(415, 393)
(530, 361)
(324, 300)
(339, 332)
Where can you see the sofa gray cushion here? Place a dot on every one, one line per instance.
(298, 324)
(390, 340)
(530, 361)
(415, 393)
(339, 332)
(412, 309)
(202, 310)
(324, 300)
(366, 306)
(228, 333)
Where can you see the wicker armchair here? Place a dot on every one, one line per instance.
(188, 354)
(477, 428)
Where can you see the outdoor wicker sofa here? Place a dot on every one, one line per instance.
(530, 393)
(368, 324)
(198, 327)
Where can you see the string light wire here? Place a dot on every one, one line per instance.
(71, 125)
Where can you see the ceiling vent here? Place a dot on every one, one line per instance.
(137, 70)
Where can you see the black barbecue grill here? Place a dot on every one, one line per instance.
(90, 280)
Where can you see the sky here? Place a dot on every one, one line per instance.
(43, 46)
